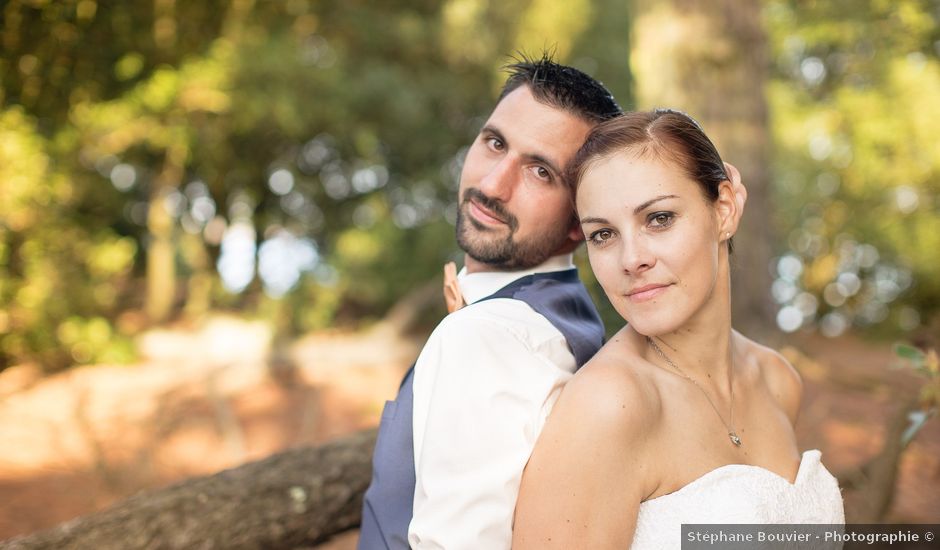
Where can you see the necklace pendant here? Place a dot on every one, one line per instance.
(734, 438)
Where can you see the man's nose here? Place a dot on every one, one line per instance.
(500, 180)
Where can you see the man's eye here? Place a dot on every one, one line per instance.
(495, 144)
(543, 173)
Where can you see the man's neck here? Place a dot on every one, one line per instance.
(555, 262)
(475, 266)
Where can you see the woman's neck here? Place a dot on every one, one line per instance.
(702, 348)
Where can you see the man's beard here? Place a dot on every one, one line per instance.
(482, 244)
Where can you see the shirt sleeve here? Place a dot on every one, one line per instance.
(482, 390)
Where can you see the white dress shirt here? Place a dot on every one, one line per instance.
(483, 386)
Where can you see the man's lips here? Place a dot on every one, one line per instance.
(484, 215)
(646, 292)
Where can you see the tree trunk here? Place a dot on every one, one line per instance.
(709, 58)
(199, 286)
(288, 501)
(603, 50)
(161, 257)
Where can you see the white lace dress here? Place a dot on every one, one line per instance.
(739, 493)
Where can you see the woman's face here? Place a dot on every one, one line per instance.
(656, 244)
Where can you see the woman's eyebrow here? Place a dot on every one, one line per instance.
(648, 203)
(637, 210)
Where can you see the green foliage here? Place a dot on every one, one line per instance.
(53, 269)
(853, 103)
(340, 125)
(927, 365)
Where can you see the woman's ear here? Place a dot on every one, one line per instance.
(729, 208)
(740, 192)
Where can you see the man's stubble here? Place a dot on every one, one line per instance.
(485, 245)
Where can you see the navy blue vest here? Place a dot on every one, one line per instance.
(386, 512)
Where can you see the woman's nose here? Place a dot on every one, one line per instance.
(635, 256)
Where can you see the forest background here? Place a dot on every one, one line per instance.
(269, 187)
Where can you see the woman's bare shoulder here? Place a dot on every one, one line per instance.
(781, 378)
(616, 390)
(601, 420)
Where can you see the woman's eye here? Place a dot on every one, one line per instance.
(600, 236)
(661, 219)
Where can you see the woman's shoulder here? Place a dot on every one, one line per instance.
(616, 390)
(775, 371)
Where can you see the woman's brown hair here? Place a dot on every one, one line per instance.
(672, 135)
(669, 134)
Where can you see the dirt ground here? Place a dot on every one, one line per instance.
(205, 398)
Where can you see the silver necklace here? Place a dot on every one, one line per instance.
(732, 435)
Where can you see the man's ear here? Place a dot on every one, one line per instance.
(575, 237)
(574, 232)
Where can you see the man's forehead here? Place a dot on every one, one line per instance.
(534, 127)
(523, 101)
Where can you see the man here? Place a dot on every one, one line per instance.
(489, 374)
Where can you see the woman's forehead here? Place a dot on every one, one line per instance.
(626, 181)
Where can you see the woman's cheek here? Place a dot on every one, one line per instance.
(603, 264)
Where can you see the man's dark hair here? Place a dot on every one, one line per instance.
(560, 86)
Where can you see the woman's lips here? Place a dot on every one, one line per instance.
(645, 293)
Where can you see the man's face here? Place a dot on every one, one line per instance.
(514, 207)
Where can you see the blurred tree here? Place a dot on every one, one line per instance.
(47, 251)
(69, 272)
(709, 59)
(300, 151)
(854, 94)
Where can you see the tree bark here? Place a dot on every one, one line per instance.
(290, 500)
(709, 58)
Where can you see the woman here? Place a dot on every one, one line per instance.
(678, 418)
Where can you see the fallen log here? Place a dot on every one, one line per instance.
(290, 500)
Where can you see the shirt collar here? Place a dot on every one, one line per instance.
(475, 286)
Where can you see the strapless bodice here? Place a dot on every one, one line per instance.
(740, 493)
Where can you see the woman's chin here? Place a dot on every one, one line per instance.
(652, 327)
